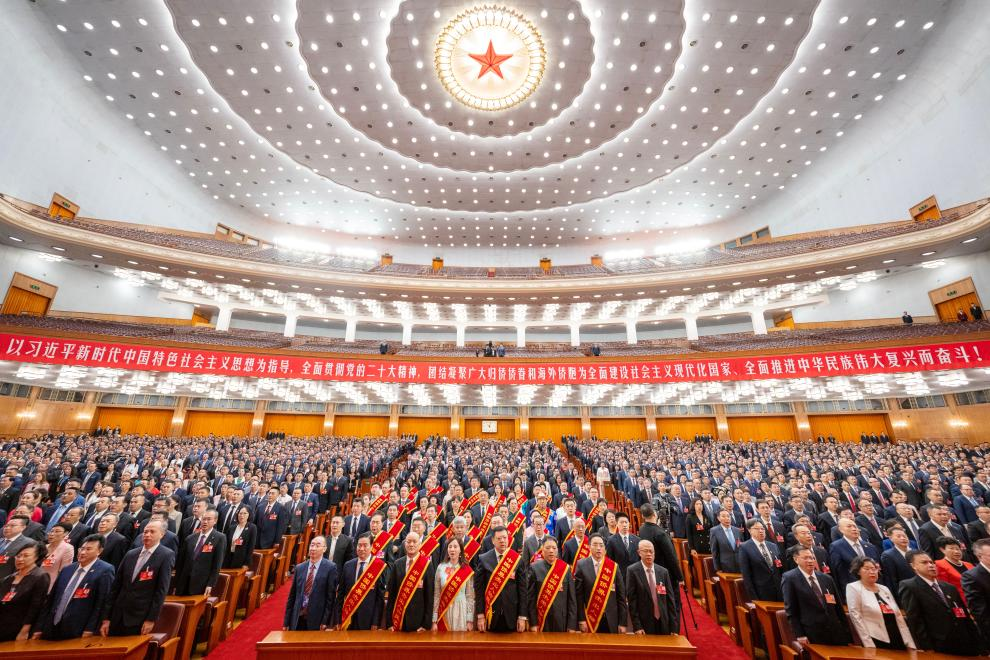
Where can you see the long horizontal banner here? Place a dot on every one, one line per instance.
(493, 371)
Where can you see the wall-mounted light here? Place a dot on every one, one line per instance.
(958, 423)
(900, 424)
(27, 414)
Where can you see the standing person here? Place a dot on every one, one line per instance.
(12, 542)
(551, 604)
(22, 593)
(410, 590)
(951, 566)
(500, 588)
(936, 614)
(453, 591)
(976, 585)
(271, 520)
(812, 603)
(653, 599)
(201, 558)
(139, 586)
(600, 591)
(115, 544)
(621, 548)
(699, 527)
(241, 540)
(873, 611)
(725, 541)
(314, 591)
(76, 604)
(361, 595)
(340, 547)
(60, 552)
(663, 547)
(760, 564)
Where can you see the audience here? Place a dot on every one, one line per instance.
(936, 614)
(873, 611)
(22, 593)
(79, 596)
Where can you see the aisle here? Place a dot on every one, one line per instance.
(710, 640)
(268, 617)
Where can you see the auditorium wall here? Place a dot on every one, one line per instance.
(762, 427)
(360, 426)
(508, 429)
(619, 428)
(424, 427)
(290, 424)
(150, 421)
(207, 422)
(553, 428)
(686, 427)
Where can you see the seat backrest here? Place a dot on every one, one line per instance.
(255, 561)
(222, 588)
(708, 568)
(739, 592)
(169, 619)
(787, 637)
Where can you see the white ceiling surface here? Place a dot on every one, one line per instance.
(758, 391)
(667, 153)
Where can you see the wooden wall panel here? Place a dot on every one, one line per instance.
(543, 428)
(506, 429)
(20, 301)
(424, 427)
(619, 428)
(220, 423)
(762, 428)
(152, 421)
(360, 426)
(686, 427)
(299, 425)
(847, 428)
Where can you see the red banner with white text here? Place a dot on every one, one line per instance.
(493, 371)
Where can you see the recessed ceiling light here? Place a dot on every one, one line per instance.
(96, 256)
(928, 254)
(62, 249)
(970, 240)
(15, 239)
(888, 261)
(132, 262)
(850, 267)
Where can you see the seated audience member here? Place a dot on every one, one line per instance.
(760, 564)
(75, 606)
(976, 587)
(653, 598)
(313, 594)
(23, 593)
(590, 581)
(140, 585)
(812, 602)
(936, 614)
(873, 612)
(951, 566)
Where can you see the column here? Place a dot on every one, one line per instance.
(631, 331)
(524, 422)
(721, 423)
(801, 418)
(407, 334)
(521, 336)
(258, 420)
(350, 330)
(328, 419)
(460, 335)
(575, 335)
(759, 322)
(223, 318)
(651, 424)
(585, 422)
(455, 422)
(393, 421)
(178, 417)
(691, 326)
(290, 325)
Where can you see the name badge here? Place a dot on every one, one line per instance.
(699, 527)
(9, 596)
(81, 592)
(209, 547)
(49, 561)
(419, 585)
(830, 599)
(273, 516)
(776, 562)
(239, 541)
(780, 539)
(662, 589)
(137, 523)
(685, 509)
(959, 612)
(146, 575)
(885, 609)
(3, 559)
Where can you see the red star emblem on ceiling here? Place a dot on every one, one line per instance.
(490, 61)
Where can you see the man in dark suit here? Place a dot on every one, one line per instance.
(867, 519)
(418, 616)
(894, 567)
(340, 547)
(271, 520)
(13, 541)
(75, 605)
(664, 553)
(533, 543)
(201, 558)
(140, 585)
(980, 528)
(115, 544)
(804, 538)
(976, 587)
(313, 594)
(940, 524)
(653, 597)
(936, 614)
(561, 614)
(369, 614)
(725, 541)
(298, 513)
(843, 550)
(760, 564)
(621, 546)
(508, 611)
(812, 603)
(356, 523)
(964, 504)
(585, 575)
(192, 523)
(9, 494)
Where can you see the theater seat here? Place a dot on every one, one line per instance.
(748, 629)
(790, 648)
(211, 624)
(164, 644)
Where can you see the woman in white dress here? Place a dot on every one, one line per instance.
(460, 614)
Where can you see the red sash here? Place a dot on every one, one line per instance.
(570, 532)
(500, 577)
(432, 542)
(595, 512)
(468, 503)
(438, 531)
(409, 507)
(548, 591)
(584, 550)
(595, 610)
(517, 521)
(486, 520)
(500, 501)
(360, 590)
(436, 490)
(471, 548)
(449, 593)
(380, 542)
(379, 501)
(408, 588)
(396, 529)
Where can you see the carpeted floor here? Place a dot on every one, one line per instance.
(268, 617)
(710, 640)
